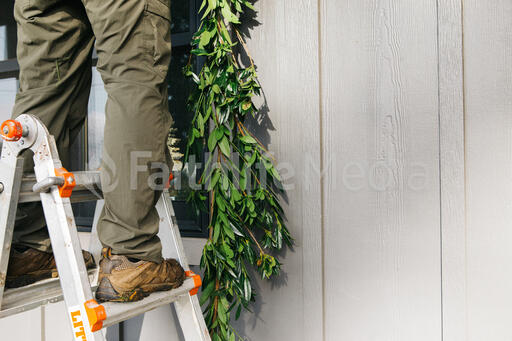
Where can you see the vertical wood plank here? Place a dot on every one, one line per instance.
(381, 153)
(451, 125)
(284, 45)
(22, 327)
(488, 100)
(57, 325)
(160, 324)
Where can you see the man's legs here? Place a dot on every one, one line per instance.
(133, 45)
(55, 41)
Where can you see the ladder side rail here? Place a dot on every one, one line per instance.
(64, 237)
(11, 170)
(187, 306)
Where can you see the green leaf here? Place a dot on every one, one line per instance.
(203, 5)
(235, 194)
(212, 4)
(246, 106)
(229, 16)
(223, 218)
(227, 250)
(205, 39)
(237, 231)
(214, 180)
(247, 289)
(266, 162)
(222, 313)
(216, 232)
(248, 4)
(252, 159)
(219, 133)
(225, 183)
(275, 173)
(224, 146)
(242, 182)
(220, 202)
(199, 52)
(248, 139)
(205, 294)
(238, 311)
(229, 232)
(224, 331)
(216, 89)
(212, 142)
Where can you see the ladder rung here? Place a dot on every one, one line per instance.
(49, 291)
(34, 295)
(118, 312)
(88, 188)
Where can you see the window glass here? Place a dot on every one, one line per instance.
(180, 11)
(8, 36)
(95, 121)
(179, 89)
(8, 89)
(3, 42)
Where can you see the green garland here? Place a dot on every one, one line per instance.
(246, 221)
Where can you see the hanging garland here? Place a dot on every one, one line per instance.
(238, 180)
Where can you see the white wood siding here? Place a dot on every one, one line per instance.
(381, 152)
(488, 100)
(415, 90)
(451, 152)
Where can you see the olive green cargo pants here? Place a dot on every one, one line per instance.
(132, 39)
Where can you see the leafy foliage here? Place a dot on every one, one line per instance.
(239, 180)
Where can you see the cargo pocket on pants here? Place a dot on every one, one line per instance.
(157, 36)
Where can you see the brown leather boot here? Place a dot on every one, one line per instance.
(30, 265)
(123, 280)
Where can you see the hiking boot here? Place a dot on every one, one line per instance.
(27, 266)
(122, 279)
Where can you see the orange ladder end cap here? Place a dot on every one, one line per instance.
(11, 130)
(96, 314)
(197, 282)
(69, 182)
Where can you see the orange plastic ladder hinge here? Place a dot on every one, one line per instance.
(69, 182)
(96, 314)
(197, 282)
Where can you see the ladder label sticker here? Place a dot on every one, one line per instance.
(78, 324)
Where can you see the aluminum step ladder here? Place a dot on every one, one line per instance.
(56, 188)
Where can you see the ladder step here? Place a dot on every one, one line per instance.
(88, 188)
(34, 295)
(118, 312)
(49, 291)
